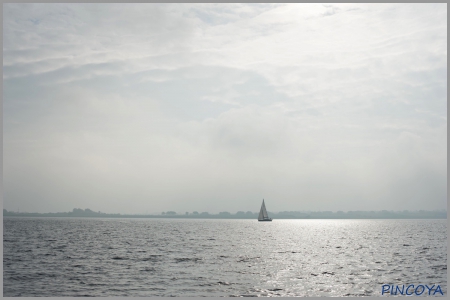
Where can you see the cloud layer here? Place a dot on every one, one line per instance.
(151, 107)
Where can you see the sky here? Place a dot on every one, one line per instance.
(144, 108)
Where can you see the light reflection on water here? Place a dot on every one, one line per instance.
(164, 257)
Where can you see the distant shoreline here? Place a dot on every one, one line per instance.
(87, 213)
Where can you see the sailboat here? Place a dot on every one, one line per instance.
(263, 216)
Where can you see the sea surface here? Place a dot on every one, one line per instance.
(188, 257)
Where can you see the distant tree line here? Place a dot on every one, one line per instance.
(383, 214)
(76, 212)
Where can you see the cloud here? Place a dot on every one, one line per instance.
(209, 107)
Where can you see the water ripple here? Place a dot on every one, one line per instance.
(233, 258)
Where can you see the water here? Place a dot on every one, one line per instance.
(175, 257)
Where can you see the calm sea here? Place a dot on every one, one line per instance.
(176, 257)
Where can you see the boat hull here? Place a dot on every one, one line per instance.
(266, 220)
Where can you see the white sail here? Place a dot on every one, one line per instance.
(263, 216)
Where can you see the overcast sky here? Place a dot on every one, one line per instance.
(137, 108)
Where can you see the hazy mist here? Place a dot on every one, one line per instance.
(138, 108)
